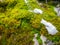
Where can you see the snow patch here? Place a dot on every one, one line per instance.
(35, 40)
(38, 11)
(50, 28)
(26, 1)
(43, 38)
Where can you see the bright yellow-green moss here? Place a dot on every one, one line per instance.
(18, 25)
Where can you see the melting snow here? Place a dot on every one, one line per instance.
(35, 40)
(57, 10)
(26, 1)
(43, 38)
(50, 28)
(38, 11)
(49, 42)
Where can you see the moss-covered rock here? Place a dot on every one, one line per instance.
(18, 25)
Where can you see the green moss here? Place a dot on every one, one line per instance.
(18, 25)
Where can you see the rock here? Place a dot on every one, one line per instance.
(50, 28)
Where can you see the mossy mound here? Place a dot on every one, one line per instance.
(18, 25)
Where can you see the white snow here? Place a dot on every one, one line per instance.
(26, 1)
(36, 10)
(35, 40)
(57, 10)
(50, 43)
(39, 11)
(50, 28)
(43, 38)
